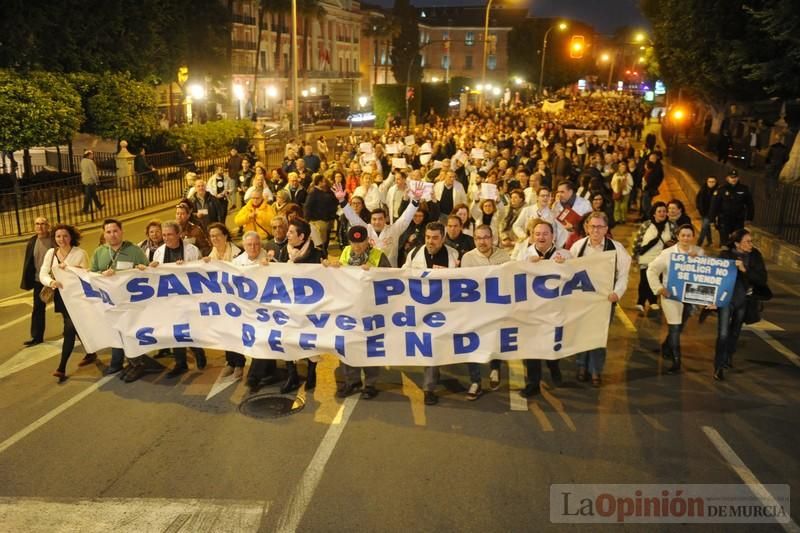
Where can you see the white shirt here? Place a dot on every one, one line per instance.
(524, 250)
(389, 238)
(244, 259)
(190, 253)
(623, 265)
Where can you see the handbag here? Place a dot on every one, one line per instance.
(752, 310)
(47, 293)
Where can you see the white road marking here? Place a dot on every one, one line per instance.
(623, 317)
(304, 491)
(130, 515)
(741, 469)
(30, 356)
(764, 325)
(778, 346)
(516, 382)
(21, 319)
(19, 295)
(19, 435)
(220, 385)
(20, 300)
(785, 287)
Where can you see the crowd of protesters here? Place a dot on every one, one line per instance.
(484, 188)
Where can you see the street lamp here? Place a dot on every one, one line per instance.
(610, 59)
(485, 50)
(295, 91)
(272, 96)
(362, 101)
(238, 93)
(561, 26)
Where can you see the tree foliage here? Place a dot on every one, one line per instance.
(212, 138)
(121, 108)
(38, 109)
(149, 39)
(405, 45)
(726, 50)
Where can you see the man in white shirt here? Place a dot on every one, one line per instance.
(591, 362)
(383, 236)
(253, 253)
(540, 209)
(484, 254)
(178, 251)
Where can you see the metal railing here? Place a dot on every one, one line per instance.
(62, 201)
(777, 204)
(106, 161)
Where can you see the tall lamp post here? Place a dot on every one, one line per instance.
(485, 50)
(561, 26)
(295, 91)
(610, 59)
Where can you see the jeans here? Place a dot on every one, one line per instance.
(533, 369)
(89, 195)
(593, 361)
(729, 325)
(705, 232)
(647, 201)
(236, 360)
(671, 346)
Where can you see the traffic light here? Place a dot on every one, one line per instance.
(576, 46)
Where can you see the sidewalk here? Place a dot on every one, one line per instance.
(771, 247)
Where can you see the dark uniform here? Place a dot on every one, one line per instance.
(731, 205)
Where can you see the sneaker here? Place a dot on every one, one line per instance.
(719, 374)
(655, 307)
(640, 308)
(227, 371)
(238, 372)
(474, 391)
(494, 379)
(431, 398)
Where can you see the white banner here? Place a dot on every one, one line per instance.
(369, 318)
(601, 134)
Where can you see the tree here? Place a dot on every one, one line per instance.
(405, 46)
(777, 67)
(38, 109)
(703, 47)
(267, 7)
(122, 108)
(150, 41)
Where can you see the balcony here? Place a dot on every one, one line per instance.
(243, 45)
(243, 19)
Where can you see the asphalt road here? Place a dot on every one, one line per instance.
(96, 454)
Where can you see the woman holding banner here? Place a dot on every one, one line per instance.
(66, 253)
(750, 289)
(675, 312)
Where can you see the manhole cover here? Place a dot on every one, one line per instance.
(270, 405)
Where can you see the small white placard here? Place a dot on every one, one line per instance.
(488, 191)
(476, 153)
(427, 188)
(365, 148)
(399, 162)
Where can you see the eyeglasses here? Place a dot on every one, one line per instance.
(597, 227)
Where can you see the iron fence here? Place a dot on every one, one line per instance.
(777, 204)
(62, 201)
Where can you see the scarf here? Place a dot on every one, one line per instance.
(296, 254)
(358, 260)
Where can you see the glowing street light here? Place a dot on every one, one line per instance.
(312, 90)
(561, 26)
(238, 93)
(272, 91)
(496, 91)
(434, 80)
(362, 101)
(605, 58)
(304, 93)
(639, 37)
(196, 91)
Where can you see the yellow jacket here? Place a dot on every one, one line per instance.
(264, 214)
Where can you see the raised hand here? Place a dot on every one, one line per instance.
(339, 192)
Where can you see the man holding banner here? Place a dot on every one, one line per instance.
(592, 361)
(116, 254)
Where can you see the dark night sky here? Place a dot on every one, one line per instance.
(604, 15)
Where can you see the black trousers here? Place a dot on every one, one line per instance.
(534, 370)
(37, 315)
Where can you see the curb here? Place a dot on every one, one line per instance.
(770, 246)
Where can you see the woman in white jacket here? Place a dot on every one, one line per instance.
(66, 253)
(675, 312)
(654, 235)
(487, 212)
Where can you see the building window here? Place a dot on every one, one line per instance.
(445, 35)
(445, 62)
(468, 62)
(491, 62)
(469, 40)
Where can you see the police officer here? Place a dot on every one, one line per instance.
(731, 206)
